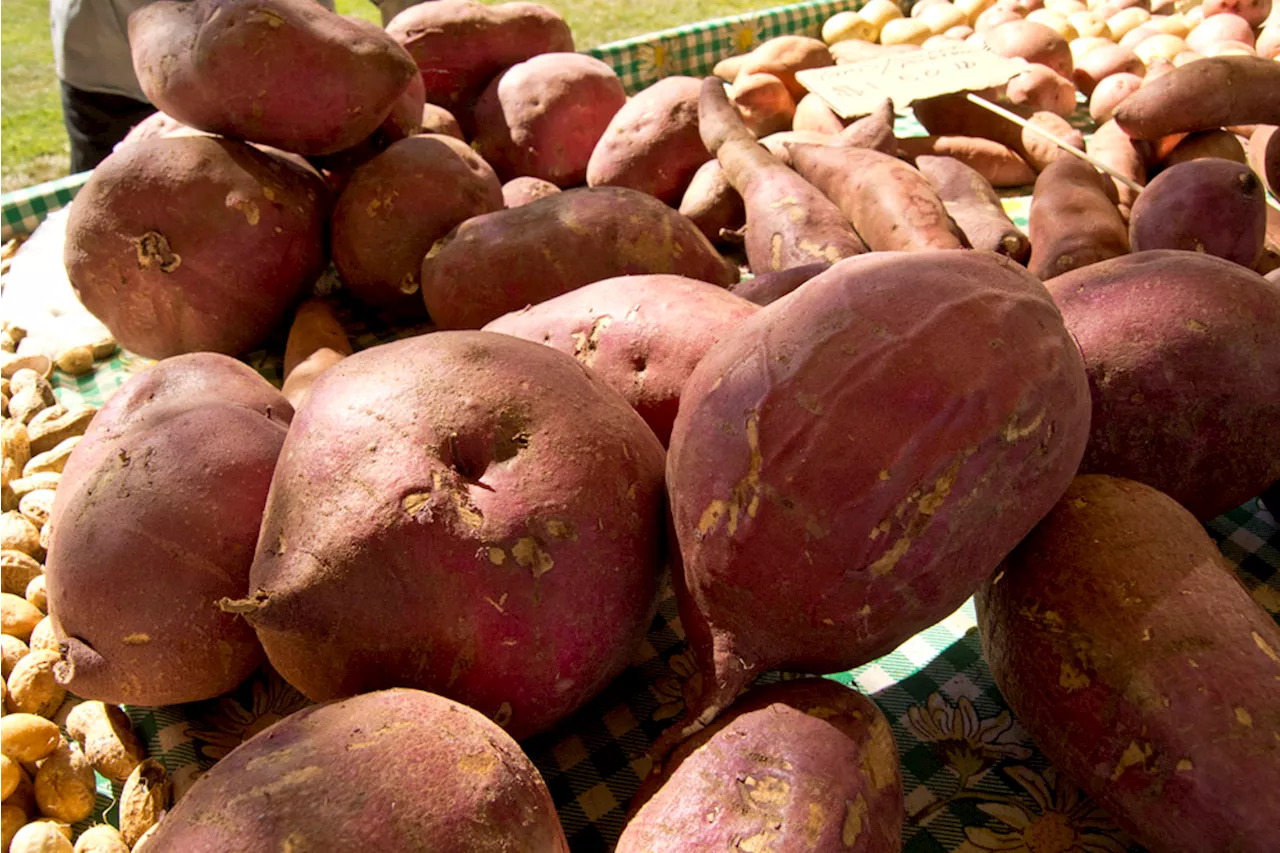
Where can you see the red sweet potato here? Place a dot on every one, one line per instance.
(1073, 222)
(1264, 156)
(910, 377)
(1141, 668)
(1196, 146)
(772, 286)
(974, 206)
(998, 164)
(1212, 206)
(642, 334)
(711, 203)
(1102, 62)
(783, 56)
(1204, 95)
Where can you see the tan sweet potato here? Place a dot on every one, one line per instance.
(1033, 42)
(1204, 95)
(1072, 223)
(763, 102)
(1108, 94)
(712, 203)
(783, 56)
(518, 191)
(1211, 206)
(1042, 88)
(288, 73)
(1112, 146)
(317, 341)
(814, 115)
(1101, 62)
(437, 119)
(874, 131)
(997, 164)
(953, 115)
(974, 206)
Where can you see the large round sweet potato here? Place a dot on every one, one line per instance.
(1184, 371)
(156, 519)
(643, 334)
(464, 512)
(887, 433)
(399, 771)
(194, 244)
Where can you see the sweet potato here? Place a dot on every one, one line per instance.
(813, 114)
(1182, 365)
(874, 131)
(1112, 146)
(641, 334)
(544, 116)
(317, 341)
(1033, 42)
(772, 286)
(953, 115)
(157, 515)
(1212, 206)
(288, 73)
(789, 222)
(1264, 156)
(460, 45)
(878, 350)
(519, 191)
(1141, 668)
(999, 165)
(437, 119)
(763, 102)
(469, 506)
(1268, 43)
(418, 771)
(891, 205)
(855, 50)
(195, 243)
(1042, 88)
(1204, 95)
(1108, 94)
(404, 120)
(1072, 223)
(652, 143)
(974, 206)
(783, 56)
(502, 261)
(802, 765)
(711, 203)
(1101, 62)
(394, 209)
(1220, 28)
(776, 143)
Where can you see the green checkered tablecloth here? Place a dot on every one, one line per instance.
(973, 780)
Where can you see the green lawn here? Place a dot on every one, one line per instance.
(34, 143)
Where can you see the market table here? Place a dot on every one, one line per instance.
(973, 780)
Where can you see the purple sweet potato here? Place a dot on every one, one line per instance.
(772, 286)
(157, 516)
(544, 116)
(195, 244)
(287, 73)
(790, 223)
(521, 191)
(652, 143)
(1142, 669)
(912, 379)
(712, 203)
(1183, 367)
(1073, 221)
(419, 772)
(1211, 205)
(975, 207)
(394, 209)
(500, 262)
(642, 334)
(1204, 95)
(1264, 155)
(798, 766)
(523, 538)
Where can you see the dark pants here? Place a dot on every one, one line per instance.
(96, 121)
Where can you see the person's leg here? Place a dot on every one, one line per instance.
(96, 121)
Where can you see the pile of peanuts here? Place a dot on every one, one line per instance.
(47, 778)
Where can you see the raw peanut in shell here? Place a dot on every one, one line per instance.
(972, 412)
(19, 534)
(1072, 223)
(1209, 206)
(102, 838)
(468, 505)
(1182, 366)
(288, 73)
(55, 425)
(642, 334)
(711, 203)
(27, 737)
(772, 286)
(10, 775)
(19, 568)
(20, 617)
(802, 765)
(440, 775)
(974, 206)
(652, 143)
(1033, 42)
(763, 102)
(1208, 94)
(396, 206)
(500, 262)
(13, 818)
(12, 650)
(521, 191)
(36, 594)
(998, 164)
(145, 798)
(64, 784)
(17, 443)
(544, 116)
(33, 688)
(108, 740)
(1119, 614)
(213, 262)
(43, 637)
(1112, 146)
(134, 575)
(39, 837)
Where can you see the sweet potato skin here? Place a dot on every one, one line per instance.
(500, 262)
(820, 769)
(643, 334)
(471, 508)
(711, 203)
(1112, 146)
(521, 191)
(1032, 41)
(287, 73)
(974, 206)
(813, 114)
(783, 56)
(1072, 223)
(157, 516)
(1220, 91)
(1119, 615)
(1213, 206)
(195, 244)
(952, 115)
(1205, 143)
(999, 164)
(1264, 155)
(772, 286)
(763, 102)
(1182, 366)
(421, 772)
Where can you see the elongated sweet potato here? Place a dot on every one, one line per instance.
(289, 73)
(1141, 668)
(874, 131)
(1180, 349)
(953, 115)
(711, 203)
(815, 768)
(772, 286)
(789, 222)
(891, 205)
(974, 206)
(501, 518)
(502, 261)
(1112, 146)
(813, 114)
(1072, 223)
(427, 768)
(1212, 206)
(642, 334)
(911, 377)
(1204, 95)
(652, 143)
(998, 164)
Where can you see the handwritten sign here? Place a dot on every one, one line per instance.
(857, 88)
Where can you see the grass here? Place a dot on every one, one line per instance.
(33, 141)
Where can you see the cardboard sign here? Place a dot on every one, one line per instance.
(858, 88)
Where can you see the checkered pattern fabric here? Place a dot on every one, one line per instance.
(21, 211)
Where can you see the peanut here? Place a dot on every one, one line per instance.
(109, 742)
(26, 485)
(12, 818)
(13, 650)
(17, 568)
(36, 506)
(10, 775)
(46, 535)
(19, 534)
(47, 433)
(104, 348)
(43, 637)
(76, 360)
(143, 800)
(17, 616)
(103, 838)
(17, 446)
(37, 595)
(40, 364)
(33, 689)
(40, 837)
(65, 787)
(28, 738)
(51, 460)
(140, 846)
